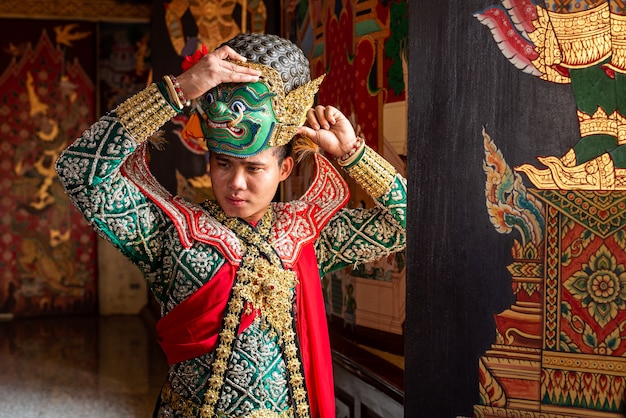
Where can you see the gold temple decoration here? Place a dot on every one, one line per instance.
(618, 42)
(547, 48)
(76, 9)
(597, 124)
(596, 174)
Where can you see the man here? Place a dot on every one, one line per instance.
(238, 279)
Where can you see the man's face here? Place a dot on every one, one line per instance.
(249, 105)
(244, 187)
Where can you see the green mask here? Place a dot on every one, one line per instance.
(239, 118)
(243, 119)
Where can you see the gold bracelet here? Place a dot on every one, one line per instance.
(145, 113)
(172, 91)
(373, 173)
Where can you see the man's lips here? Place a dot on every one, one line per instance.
(235, 201)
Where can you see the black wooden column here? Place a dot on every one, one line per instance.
(459, 82)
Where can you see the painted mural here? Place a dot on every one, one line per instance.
(47, 98)
(214, 20)
(560, 350)
(361, 47)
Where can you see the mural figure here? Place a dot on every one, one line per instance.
(214, 20)
(48, 263)
(559, 350)
(581, 43)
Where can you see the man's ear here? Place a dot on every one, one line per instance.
(286, 167)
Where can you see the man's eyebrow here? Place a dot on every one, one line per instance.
(229, 159)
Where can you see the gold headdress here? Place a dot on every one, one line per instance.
(291, 108)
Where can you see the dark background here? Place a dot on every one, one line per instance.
(459, 81)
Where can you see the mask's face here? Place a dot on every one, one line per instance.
(240, 118)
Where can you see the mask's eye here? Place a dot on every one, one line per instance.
(208, 98)
(238, 107)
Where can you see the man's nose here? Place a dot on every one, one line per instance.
(237, 180)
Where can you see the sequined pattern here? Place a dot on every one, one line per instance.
(119, 210)
(355, 236)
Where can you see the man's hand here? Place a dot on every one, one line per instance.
(212, 70)
(330, 129)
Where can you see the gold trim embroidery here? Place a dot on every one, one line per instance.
(144, 113)
(373, 173)
(191, 409)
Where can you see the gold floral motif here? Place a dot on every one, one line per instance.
(144, 113)
(373, 173)
(584, 37)
(596, 174)
(268, 288)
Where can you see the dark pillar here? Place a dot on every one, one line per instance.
(459, 82)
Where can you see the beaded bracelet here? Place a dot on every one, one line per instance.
(172, 92)
(175, 93)
(179, 92)
(353, 154)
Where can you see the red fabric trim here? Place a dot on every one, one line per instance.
(312, 330)
(191, 328)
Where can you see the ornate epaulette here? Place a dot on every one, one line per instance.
(297, 223)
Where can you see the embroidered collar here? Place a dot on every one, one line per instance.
(295, 225)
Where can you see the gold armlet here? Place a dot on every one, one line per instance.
(145, 113)
(373, 173)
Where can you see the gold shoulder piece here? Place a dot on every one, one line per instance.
(373, 173)
(618, 43)
(584, 37)
(145, 113)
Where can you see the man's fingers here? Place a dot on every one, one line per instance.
(312, 119)
(240, 69)
(226, 52)
(320, 114)
(242, 78)
(308, 132)
(330, 113)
